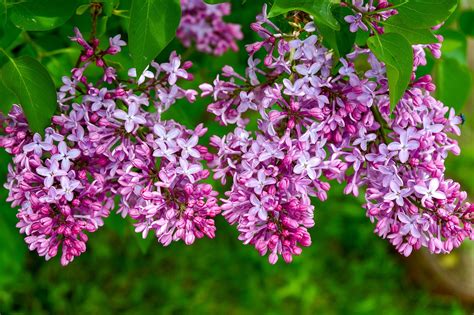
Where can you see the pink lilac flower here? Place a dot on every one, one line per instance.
(102, 143)
(314, 126)
(356, 22)
(203, 25)
(131, 117)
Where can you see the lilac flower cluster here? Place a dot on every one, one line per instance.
(203, 25)
(316, 124)
(367, 14)
(108, 140)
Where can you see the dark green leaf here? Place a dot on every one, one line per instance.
(466, 22)
(397, 54)
(320, 10)
(41, 15)
(340, 41)
(361, 38)
(413, 35)
(153, 24)
(422, 13)
(8, 35)
(7, 98)
(453, 83)
(34, 88)
(3, 13)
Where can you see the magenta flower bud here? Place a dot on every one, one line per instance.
(187, 65)
(268, 60)
(382, 4)
(283, 184)
(352, 129)
(290, 223)
(82, 174)
(100, 62)
(256, 27)
(253, 48)
(287, 257)
(89, 53)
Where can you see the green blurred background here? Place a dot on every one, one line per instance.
(347, 270)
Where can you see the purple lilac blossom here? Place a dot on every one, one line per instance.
(315, 126)
(106, 142)
(202, 24)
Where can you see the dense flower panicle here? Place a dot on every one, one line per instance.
(108, 140)
(315, 125)
(203, 25)
(61, 192)
(319, 118)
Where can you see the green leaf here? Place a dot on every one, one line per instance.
(453, 83)
(422, 13)
(153, 24)
(102, 25)
(7, 98)
(340, 41)
(107, 6)
(466, 22)
(454, 45)
(34, 15)
(83, 9)
(361, 38)
(3, 13)
(8, 35)
(34, 88)
(413, 35)
(397, 54)
(320, 10)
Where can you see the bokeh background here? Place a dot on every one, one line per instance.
(347, 270)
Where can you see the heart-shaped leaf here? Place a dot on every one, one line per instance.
(153, 24)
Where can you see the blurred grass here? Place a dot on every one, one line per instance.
(347, 269)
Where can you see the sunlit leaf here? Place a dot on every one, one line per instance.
(153, 24)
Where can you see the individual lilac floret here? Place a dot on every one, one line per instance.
(203, 25)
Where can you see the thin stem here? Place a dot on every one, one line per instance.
(96, 9)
